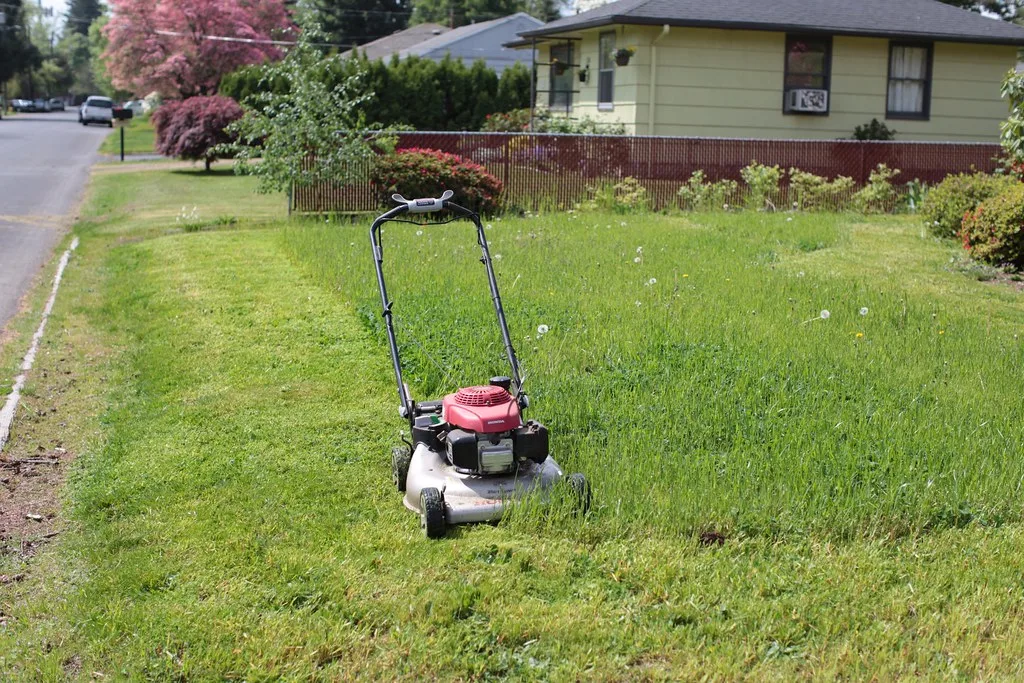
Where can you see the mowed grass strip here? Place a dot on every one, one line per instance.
(139, 138)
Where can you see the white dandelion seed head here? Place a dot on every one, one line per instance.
(652, 281)
(825, 315)
(789, 219)
(638, 304)
(800, 274)
(623, 224)
(419, 232)
(639, 250)
(542, 329)
(497, 257)
(864, 311)
(636, 260)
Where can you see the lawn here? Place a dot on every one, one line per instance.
(139, 138)
(231, 514)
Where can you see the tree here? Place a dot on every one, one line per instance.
(355, 22)
(178, 47)
(194, 128)
(80, 15)
(310, 132)
(461, 12)
(17, 53)
(1008, 10)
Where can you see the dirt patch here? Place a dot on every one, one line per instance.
(29, 502)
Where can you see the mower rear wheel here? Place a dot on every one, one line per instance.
(432, 513)
(580, 488)
(400, 460)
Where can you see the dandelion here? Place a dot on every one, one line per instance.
(623, 224)
(789, 220)
(652, 281)
(860, 335)
(488, 226)
(638, 304)
(542, 329)
(864, 311)
(636, 260)
(419, 232)
(825, 315)
(942, 332)
(686, 275)
(639, 250)
(800, 274)
(497, 257)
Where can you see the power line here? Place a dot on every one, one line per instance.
(252, 41)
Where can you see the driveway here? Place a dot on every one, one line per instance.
(44, 163)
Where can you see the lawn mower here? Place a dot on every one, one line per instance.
(472, 453)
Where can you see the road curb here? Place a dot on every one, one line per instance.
(11, 405)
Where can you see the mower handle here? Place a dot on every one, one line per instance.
(407, 407)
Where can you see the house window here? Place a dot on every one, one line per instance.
(606, 70)
(910, 81)
(560, 88)
(807, 75)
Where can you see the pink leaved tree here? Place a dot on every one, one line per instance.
(177, 47)
(192, 129)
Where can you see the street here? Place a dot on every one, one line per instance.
(44, 163)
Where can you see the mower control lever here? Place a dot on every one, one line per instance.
(425, 205)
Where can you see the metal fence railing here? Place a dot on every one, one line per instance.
(556, 170)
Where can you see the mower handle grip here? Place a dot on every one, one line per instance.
(425, 204)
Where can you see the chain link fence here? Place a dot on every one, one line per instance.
(558, 171)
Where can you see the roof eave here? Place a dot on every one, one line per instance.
(758, 26)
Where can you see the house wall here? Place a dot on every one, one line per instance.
(720, 83)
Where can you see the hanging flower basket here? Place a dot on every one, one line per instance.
(558, 67)
(583, 74)
(623, 55)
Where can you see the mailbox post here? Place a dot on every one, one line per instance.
(122, 116)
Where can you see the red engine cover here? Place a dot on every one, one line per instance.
(485, 410)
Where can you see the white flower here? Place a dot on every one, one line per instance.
(800, 274)
(488, 226)
(497, 257)
(623, 223)
(639, 250)
(652, 281)
(789, 220)
(825, 315)
(542, 329)
(636, 260)
(638, 304)
(864, 311)
(419, 232)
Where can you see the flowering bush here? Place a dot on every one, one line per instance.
(994, 231)
(193, 128)
(810, 191)
(947, 202)
(514, 121)
(879, 195)
(625, 196)
(763, 183)
(419, 172)
(699, 195)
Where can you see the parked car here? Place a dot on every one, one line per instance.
(56, 104)
(97, 109)
(21, 105)
(40, 104)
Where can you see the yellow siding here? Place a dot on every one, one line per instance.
(730, 83)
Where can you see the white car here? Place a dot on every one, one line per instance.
(97, 109)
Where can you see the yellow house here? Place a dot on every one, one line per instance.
(778, 69)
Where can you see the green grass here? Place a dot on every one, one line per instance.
(139, 138)
(231, 516)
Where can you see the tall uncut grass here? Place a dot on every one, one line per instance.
(690, 370)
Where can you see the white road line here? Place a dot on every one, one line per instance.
(7, 414)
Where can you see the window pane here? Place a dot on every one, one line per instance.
(561, 85)
(604, 87)
(606, 45)
(806, 63)
(910, 62)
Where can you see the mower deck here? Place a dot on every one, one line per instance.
(470, 498)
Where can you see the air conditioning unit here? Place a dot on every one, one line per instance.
(814, 101)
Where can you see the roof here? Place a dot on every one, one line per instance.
(382, 48)
(920, 19)
(445, 41)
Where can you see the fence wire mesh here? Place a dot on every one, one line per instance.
(547, 170)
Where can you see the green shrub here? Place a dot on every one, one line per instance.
(947, 202)
(418, 172)
(810, 191)
(698, 195)
(625, 196)
(763, 183)
(875, 130)
(879, 195)
(994, 231)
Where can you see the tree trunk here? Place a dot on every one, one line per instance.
(208, 162)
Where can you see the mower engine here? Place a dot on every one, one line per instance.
(486, 433)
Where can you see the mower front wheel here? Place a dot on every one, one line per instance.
(580, 488)
(400, 460)
(432, 513)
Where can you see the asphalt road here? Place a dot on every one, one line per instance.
(44, 163)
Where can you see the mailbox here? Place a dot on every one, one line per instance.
(122, 114)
